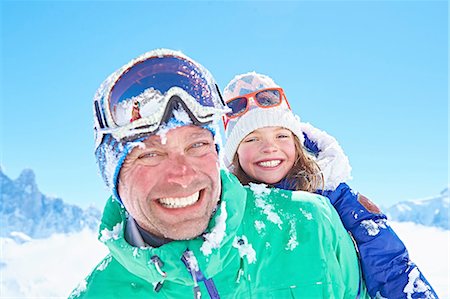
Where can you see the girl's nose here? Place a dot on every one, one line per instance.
(268, 147)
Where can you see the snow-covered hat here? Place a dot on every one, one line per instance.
(255, 117)
(172, 90)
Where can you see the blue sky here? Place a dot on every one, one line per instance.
(374, 74)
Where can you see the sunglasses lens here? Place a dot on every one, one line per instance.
(268, 98)
(237, 106)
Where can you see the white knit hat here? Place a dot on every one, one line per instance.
(256, 117)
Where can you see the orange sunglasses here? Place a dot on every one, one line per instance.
(264, 98)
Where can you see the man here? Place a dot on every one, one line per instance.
(179, 227)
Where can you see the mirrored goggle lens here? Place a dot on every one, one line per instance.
(139, 89)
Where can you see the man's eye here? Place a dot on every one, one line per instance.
(199, 144)
(199, 148)
(148, 155)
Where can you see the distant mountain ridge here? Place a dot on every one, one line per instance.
(23, 208)
(431, 211)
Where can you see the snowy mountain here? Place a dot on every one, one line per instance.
(24, 209)
(432, 211)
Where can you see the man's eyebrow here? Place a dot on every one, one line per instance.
(200, 134)
(152, 142)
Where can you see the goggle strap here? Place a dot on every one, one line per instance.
(220, 96)
(98, 114)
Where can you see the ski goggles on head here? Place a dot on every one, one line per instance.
(144, 95)
(265, 98)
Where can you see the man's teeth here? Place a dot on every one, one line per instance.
(179, 202)
(271, 163)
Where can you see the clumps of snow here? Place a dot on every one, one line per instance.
(104, 263)
(268, 209)
(82, 286)
(181, 115)
(138, 144)
(267, 245)
(192, 261)
(109, 160)
(245, 249)
(107, 235)
(415, 284)
(331, 159)
(356, 214)
(379, 296)
(180, 118)
(135, 252)
(373, 227)
(260, 226)
(259, 189)
(217, 234)
(292, 243)
(307, 215)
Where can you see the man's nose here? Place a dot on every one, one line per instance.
(180, 171)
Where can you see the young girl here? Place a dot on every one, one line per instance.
(267, 143)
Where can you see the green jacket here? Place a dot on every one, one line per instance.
(261, 243)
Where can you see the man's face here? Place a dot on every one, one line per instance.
(172, 188)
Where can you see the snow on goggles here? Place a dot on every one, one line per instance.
(265, 98)
(144, 95)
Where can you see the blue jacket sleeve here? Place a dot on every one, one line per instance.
(387, 269)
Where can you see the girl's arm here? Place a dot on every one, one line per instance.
(387, 269)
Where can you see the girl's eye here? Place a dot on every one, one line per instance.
(250, 139)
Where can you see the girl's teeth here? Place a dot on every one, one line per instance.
(272, 163)
(179, 202)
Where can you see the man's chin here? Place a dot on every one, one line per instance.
(187, 230)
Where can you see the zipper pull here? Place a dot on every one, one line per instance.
(158, 264)
(158, 286)
(197, 293)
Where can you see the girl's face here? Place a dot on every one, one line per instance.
(267, 154)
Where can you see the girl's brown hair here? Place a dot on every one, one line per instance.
(304, 175)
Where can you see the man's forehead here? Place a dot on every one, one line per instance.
(179, 133)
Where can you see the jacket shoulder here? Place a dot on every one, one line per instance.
(110, 279)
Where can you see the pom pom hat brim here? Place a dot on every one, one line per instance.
(256, 117)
